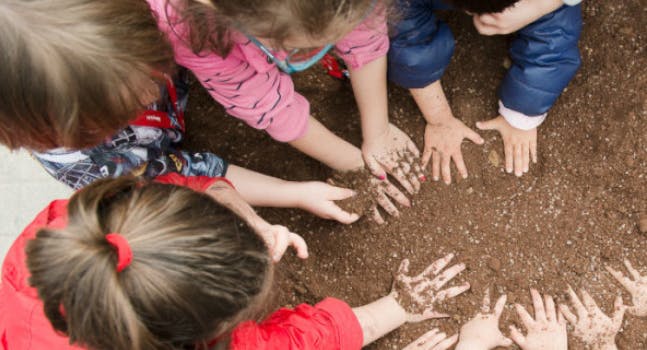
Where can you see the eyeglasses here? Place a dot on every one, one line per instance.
(297, 60)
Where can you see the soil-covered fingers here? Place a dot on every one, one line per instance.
(385, 203)
(634, 273)
(445, 343)
(485, 305)
(589, 303)
(549, 307)
(525, 317)
(434, 268)
(618, 312)
(377, 217)
(538, 305)
(568, 315)
(416, 172)
(387, 188)
(627, 283)
(338, 214)
(433, 340)
(447, 276)
(452, 292)
(500, 304)
(517, 336)
(577, 303)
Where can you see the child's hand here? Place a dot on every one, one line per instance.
(433, 340)
(443, 140)
(519, 145)
(384, 191)
(278, 238)
(591, 325)
(482, 331)
(514, 17)
(319, 198)
(394, 153)
(421, 293)
(637, 288)
(547, 331)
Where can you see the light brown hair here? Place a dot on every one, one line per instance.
(195, 270)
(73, 70)
(211, 21)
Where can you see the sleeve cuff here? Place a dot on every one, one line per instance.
(520, 120)
(350, 331)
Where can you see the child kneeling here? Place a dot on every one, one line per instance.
(131, 265)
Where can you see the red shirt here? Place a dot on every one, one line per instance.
(330, 324)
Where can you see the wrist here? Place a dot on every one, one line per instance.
(396, 310)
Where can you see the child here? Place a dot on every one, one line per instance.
(126, 265)
(544, 57)
(107, 101)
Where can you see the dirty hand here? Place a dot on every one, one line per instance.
(319, 198)
(394, 153)
(482, 332)
(591, 325)
(514, 17)
(423, 292)
(636, 287)
(385, 191)
(278, 238)
(433, 340)
(443, 140)
(547, 331)
(519, 145)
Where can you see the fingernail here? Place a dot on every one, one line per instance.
(382, 177)
(436, 178)
(464, 176)
(423, 178)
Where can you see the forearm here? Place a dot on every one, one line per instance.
(261, 190)
(328, 148)
(379, 318)
(369, 87)
(432, 102)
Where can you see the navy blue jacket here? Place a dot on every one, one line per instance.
(544, 54)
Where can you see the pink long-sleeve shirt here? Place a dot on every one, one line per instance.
(255, 90)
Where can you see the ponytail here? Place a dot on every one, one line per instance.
(195, 268)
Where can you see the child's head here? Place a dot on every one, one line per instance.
(280, 21)
(74, 71)
(481, 6)
(195, 268)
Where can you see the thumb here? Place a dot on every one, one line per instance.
(340, 193)
(375, 168)
(342, 216)
(474, 137)
(491, 124)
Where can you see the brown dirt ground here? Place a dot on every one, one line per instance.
(576, 210)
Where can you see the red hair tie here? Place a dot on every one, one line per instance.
(124, 253)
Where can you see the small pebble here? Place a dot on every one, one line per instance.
(494, 158)
(642, 222)
(494, 264)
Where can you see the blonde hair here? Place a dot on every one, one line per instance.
(211, 21)
(73, 70)
(195, 270)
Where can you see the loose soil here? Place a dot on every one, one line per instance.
(579, 208)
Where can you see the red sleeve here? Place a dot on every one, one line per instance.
(196, 183)
(329, 325)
